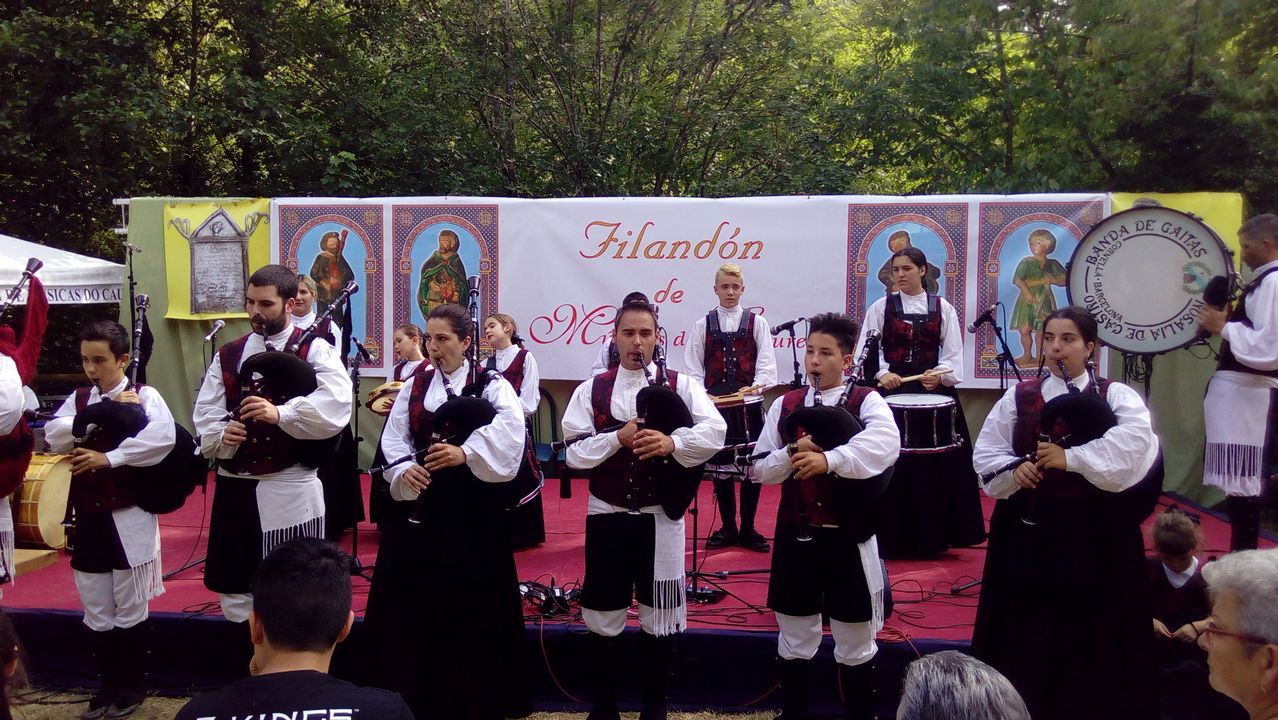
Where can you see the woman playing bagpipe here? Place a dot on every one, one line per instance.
(825, 559)
(934, 501)
(1075, 465)
(644, 434)
(406, 343)
(519, 367)
(444, 619)
(117, 544)
(18, 358)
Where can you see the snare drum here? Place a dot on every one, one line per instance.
(927, 422)
(40, 507)
(744, 416)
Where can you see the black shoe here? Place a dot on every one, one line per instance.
(125, 705)
(727, 537)
(753, 540)
(98, 706)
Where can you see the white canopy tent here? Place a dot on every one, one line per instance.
(69, 279)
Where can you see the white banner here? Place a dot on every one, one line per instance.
(561, 266)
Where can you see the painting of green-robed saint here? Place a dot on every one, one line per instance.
(330, 270)
(443, 277)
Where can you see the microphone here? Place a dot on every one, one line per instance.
(363, 351)
(217, 325)
(473, 282)
(987, 316)
(1216, 294)
(131, 247)
(787, 325)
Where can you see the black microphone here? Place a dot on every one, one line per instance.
(987, 316)
(1216, 294)
(217, 325)
(787, 325)
(363, 351)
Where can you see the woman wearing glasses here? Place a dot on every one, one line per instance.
(1241, 636)
(1064, 611)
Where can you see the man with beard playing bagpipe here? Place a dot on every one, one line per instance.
(117, 544)
(642, 479)
(825, 560)
(444, 617)
(18, 359)
(1075, 465)
(267, 421)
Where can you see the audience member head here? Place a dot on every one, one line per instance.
(14, 675)
(1176, 538)
(1241, 638)
(301, 600)
(949, 685)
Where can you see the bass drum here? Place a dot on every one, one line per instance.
(41, 505)
(1142, 273)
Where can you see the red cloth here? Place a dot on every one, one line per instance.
(26, 352)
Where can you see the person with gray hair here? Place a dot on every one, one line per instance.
(1241, 637)
(949, 685)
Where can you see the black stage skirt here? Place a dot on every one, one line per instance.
(235, 536)
(934, 501)
(343, 498)
(1070, 628)
(820, 576)
(97, 544)
(444, 624)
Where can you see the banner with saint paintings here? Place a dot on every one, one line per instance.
(561, 266)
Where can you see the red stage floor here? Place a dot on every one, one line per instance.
(924, 606)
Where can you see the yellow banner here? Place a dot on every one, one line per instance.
(210, 249)
(1223, 212)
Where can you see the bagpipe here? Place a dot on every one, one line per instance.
(660, 408)
(17, 446)
(281, 375)
(1071, 420)
(103, 426)
(830, 426)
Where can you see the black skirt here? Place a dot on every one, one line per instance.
(819, 576)
(444, 622)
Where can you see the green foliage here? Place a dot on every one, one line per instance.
(625, 97)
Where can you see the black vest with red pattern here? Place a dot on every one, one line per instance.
(103, 490)
(398, 372)
(827, 499)
(614, 480)
(911, 343)
(268, 448)
(420, 420)
(730, 356)
(1239, 314)
(1025, 439)
(514, 373)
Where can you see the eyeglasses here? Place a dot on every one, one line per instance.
(1212, 630)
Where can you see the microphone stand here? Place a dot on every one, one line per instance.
(357, 566)
(204, 486)
(798, 380)
(1004, 359)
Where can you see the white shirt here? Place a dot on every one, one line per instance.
(322, 414)
(10, 395)
(409, 366)
(865, 455)
(692, 445)
(765, 364)
(1257, 346)
(147, 448)
(529, 391)
(951, 333)
(493, 452)
(1114, 462)
(1178, 579)
(304, 321)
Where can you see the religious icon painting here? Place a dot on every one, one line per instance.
(1025, 247)
(439, 250)
(876, 230)
(334, 245)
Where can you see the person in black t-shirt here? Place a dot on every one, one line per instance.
(301, 610)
